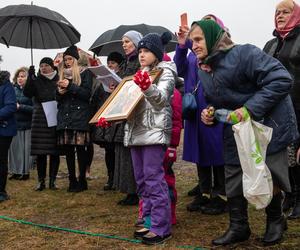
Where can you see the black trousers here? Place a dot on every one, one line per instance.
(211, 180)
(4, 147)
(41, 162)
(110, 158)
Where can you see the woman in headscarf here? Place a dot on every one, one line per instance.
(123, 175)
(236, 77)
(202, 144)
(285, 47)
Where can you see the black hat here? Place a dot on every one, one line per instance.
(72, 51)
(116, 57)
(48, 61)
(155, 43)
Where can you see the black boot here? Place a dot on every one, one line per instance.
(41, 185)
(194, 191)
(110, 182)
(289, 201)
(295, 213)
(53, 169)
(198, 202)
(276, 223)
(73, 186)
(82, 185)
(3, 179)
(238, 230)
(52, 184)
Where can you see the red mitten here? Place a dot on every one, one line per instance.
(142, 79)
(103, 123)
(170, 155)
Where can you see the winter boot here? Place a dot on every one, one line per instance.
(41, 185)
(238, 230)
(54, 165)
(295, 213)
(276, 223)
(110, 182)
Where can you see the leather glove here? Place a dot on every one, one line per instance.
(142, 79)
(170, 155)
(103, 123)
(31, 70)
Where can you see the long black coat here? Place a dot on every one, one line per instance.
(74, 111)
(43, 138)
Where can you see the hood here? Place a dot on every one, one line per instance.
(4, 77)
(168, 65)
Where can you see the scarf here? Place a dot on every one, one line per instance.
(50, 76)
(293, 21)
(216, 38)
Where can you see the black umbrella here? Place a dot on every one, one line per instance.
(31, 26)
(111, 40)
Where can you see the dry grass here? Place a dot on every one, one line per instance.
(96, 211)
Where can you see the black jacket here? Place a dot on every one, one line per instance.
(287, 51)
(24, 112)
(74, 110)
(42, 89)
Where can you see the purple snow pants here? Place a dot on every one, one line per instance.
(152, 187)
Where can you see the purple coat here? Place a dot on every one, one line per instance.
(203, 144)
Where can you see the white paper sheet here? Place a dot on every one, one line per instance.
(50, 109)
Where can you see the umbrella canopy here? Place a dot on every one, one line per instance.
(111, 40)
(31, 26)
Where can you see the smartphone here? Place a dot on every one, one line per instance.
(183, 19)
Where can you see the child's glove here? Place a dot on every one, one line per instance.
(142, 79)
(103, 123)
(170, 155)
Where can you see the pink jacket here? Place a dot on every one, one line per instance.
(176, 118)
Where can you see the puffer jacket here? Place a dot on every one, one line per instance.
(151, 122)
(246, 76)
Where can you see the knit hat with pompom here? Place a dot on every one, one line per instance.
(155, 43)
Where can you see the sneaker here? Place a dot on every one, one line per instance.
(216, 206)
(197, 203)
(140, 222)
(195, 191)
(138, 234)
(154, 239)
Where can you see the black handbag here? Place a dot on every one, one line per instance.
(189, 105)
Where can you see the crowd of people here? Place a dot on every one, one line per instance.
(46, 112)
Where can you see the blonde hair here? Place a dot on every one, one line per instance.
(76, 78)
(22, 69)
(286, 4)
(83, 59)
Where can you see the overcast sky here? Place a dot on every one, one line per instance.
(249, 21)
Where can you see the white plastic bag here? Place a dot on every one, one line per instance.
(252, 139)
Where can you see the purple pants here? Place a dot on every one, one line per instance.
(152, 187)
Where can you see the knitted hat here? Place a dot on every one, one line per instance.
(48, 61)
(155, 43)
(134, 36)
(116, 57)
(72, 51)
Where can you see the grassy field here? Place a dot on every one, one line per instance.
(95, 211)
